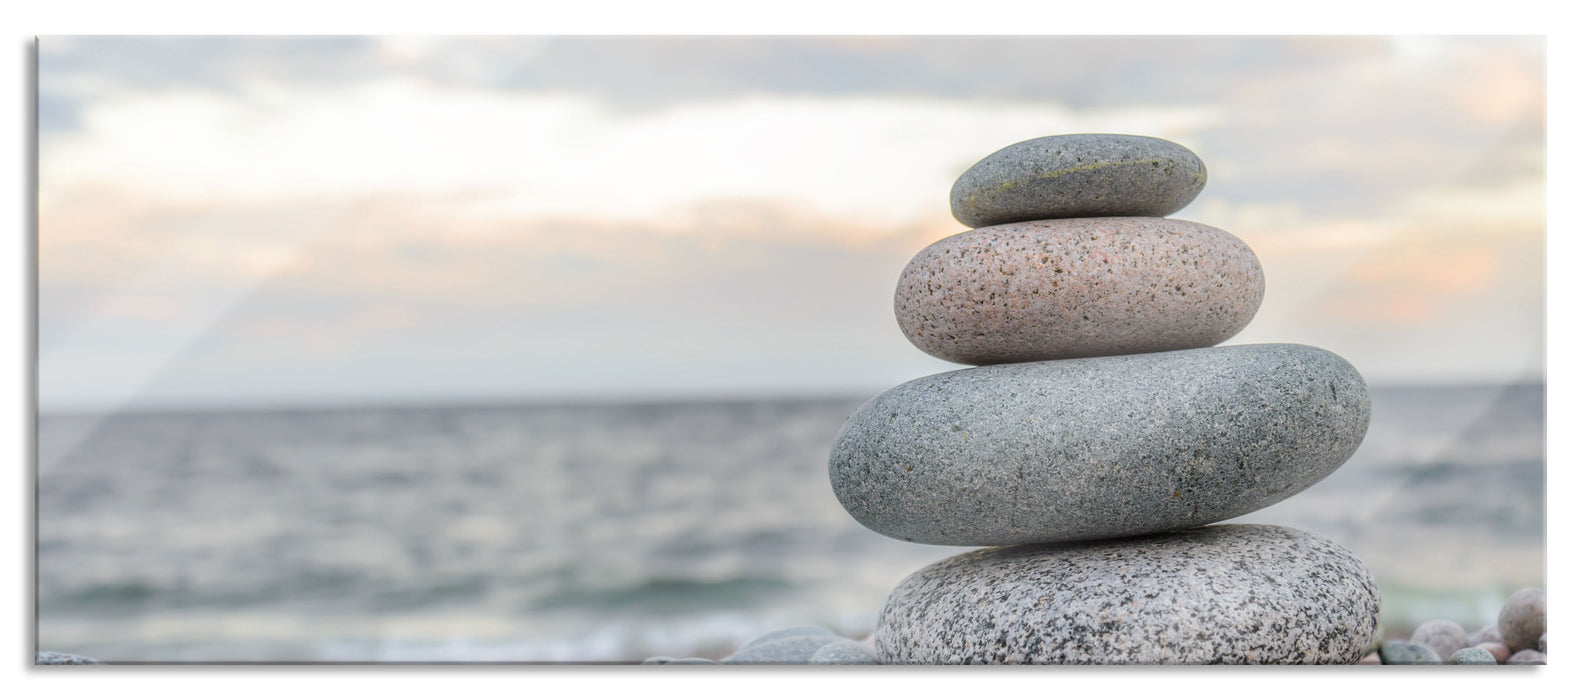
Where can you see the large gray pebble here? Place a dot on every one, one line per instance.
(844, 652)
(1443, 636)
(1528, 657)
(1078, 175)
(1225, 594)
(1051, 290)
(1399, 653)
(1524, 619)
(786, 650)
(1063, 450)
(55, 658)
(1473, 656)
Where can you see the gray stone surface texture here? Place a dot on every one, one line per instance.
(1472, 656)
(1063, 450)
(799, 631)
(1078, 175)
(1399, 653)
(55, 658)
(1443, 636)
(1049, 290)
(785, 650)
(844, 652)
(1528, 657)
(1224, 594)
(1524, 618)
(1498, 649)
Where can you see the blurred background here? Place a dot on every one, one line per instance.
(533, 349)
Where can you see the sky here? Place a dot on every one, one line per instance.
(232, 221)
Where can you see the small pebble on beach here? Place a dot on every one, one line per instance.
(1523, 619)
(1498, 649)
(1528, 657)
(1472, 656)
(1399, 653)
(1443, 636)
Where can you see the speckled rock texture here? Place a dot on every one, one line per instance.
(55, 658)
(1048, 290)
(1224, 594)
(1472, 656)
(1523, 619)
(1443, 636)
(1399, 653)
(1100, 447)
(1078, 175)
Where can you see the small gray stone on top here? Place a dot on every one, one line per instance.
(1078, 175)
(1472, 656)
(1399, 653)
(1524, 619)
(1528, 657)
(786, 650)
(844, 652)
(1443, 636)
(55, 658)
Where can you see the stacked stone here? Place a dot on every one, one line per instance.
(1100, 430)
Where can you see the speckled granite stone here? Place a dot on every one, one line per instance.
(55, 658)
(844, 652)
(1472, 656)
(1098, 447)
(1224, 594)
(1077, 175)
(1497, 649)
(1523, 619)
(1443, 636)
(1048, 290)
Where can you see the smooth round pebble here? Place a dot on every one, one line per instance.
(1443, 636)
(1472, 656)
(1528, 657)
(1523, 619)
(799, 631)
(1063, 450)
(1078, 175)
(785, 650)
(1224, 594)
(1049, 290)
(844, 652)
(1372, 659)
(1500, 652)
(1490, 633)
(55, 658)
(1399, 653)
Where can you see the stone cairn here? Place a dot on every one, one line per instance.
(1100, 430)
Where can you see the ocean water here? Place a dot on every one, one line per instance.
(612, 532)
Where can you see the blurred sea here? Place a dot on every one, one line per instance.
(612, 532)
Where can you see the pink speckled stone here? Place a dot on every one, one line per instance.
(1064, 288)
